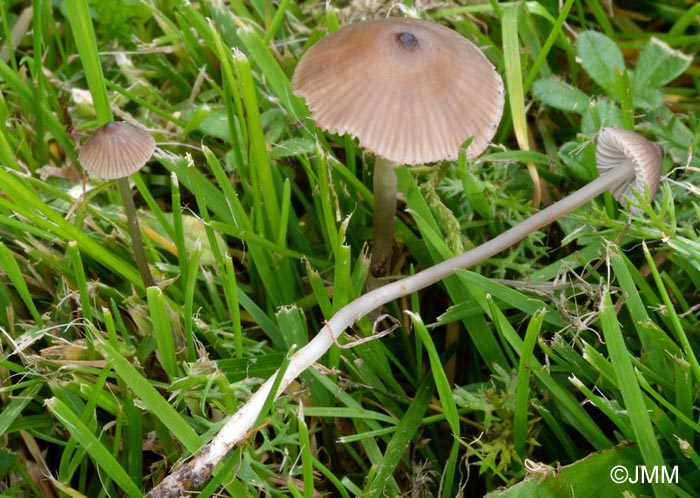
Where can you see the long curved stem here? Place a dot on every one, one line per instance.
(236, 429)
(384, 190)
(135, 232)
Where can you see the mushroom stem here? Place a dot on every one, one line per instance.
(135, 232)
(384, 190)
(236, 429)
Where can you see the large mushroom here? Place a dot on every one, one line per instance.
(116, 150)
(411, 91)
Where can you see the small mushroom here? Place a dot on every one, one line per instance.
(411, 91)
(116, 150)
(616, 146)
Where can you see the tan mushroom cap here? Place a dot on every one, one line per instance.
(116, 150)
(618, 147)
(411, 91)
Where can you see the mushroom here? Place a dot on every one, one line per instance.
(638, 164)
(411, 91)
(617, 145)
(116, 150)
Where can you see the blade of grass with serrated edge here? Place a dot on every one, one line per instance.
(259, 160)
(395, 451)
(447, 399)
(437, 371)
(150, 398)
(163, 332)
(307, 463)
(631, 392)
(522, 394)
(100, 455)
(342, 287)
(670, 312)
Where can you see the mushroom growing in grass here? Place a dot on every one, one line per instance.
(411, 91)
(115, 151)
(628, 160)
(617, 145)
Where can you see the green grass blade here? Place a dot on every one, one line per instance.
(677, 327)
(525, 365)
(150, 398)
(163, 332)
(406, 429)
(14, 273)
(87, 439)
(86, 43)
(631, 392)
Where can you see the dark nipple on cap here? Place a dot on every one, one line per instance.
(407, 41)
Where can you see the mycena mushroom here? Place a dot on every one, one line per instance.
(628, 160)
(618, 146)
(116, 150)
(411, 91)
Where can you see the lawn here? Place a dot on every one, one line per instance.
(564, 365)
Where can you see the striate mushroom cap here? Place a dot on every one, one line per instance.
(618, 147)
(411, 91)
(116, 150)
